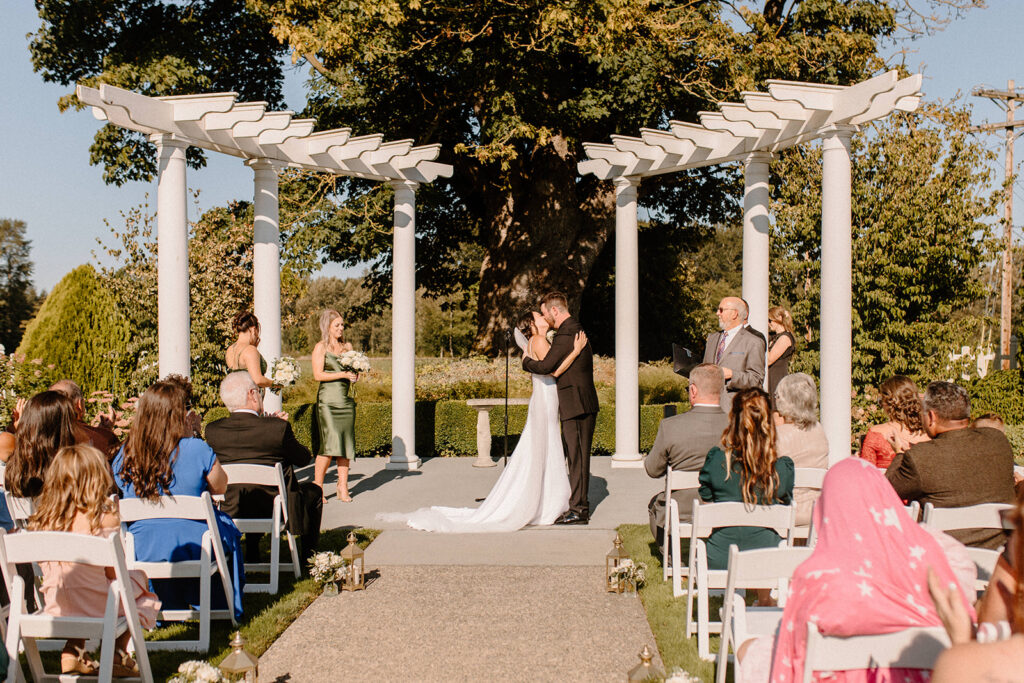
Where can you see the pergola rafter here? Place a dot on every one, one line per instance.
(751, 131)
(270, 141)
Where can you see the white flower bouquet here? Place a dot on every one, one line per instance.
(194, 671)
(354, 361)
(284, 371)
(631, 574)
(327, 567)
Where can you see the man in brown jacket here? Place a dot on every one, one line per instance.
(960, 466)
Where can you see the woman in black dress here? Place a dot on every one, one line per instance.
(781, 346)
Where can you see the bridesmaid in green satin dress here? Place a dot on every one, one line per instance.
(243, 354)
(335, 407)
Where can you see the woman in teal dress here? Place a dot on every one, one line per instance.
(335, 407)
(747, 470)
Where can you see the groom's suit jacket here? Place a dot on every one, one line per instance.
(576, 393)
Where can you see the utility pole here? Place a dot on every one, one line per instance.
(1005, 98)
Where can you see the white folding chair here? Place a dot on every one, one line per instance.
(769, 568)
(706, 518)
(25, 628)
(984, 516)
(911, 648)
(671, 548)
(20, 509)
(807, 478)
(985, 562)
(275, 525)
(914, 510)
(212, 560)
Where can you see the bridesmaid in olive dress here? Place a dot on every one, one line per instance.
(335, 407)
(243, 354)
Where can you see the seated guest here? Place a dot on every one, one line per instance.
(901, 402)
(748, 470)
(76, 498)
(799, 435)
(990, 420)
(683, 441)
(100, 437)
(46, 424)
(867, 575)
(160, 458)
(959, 466)
(248, 436)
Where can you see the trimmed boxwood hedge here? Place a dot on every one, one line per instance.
(448, 428)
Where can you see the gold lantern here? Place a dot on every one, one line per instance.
(616, 556)
(240, 665)
(355, 569)
(646, 670)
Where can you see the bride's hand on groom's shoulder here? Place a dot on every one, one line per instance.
(580, 342)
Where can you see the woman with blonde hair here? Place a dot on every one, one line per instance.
(781, 346)
(243, 354)
(899, 398)
(335, 407)
(747, 469)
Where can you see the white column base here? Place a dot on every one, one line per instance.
(395, 464)
(627, 460)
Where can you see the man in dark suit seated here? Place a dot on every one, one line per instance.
(960, 466)
(736, 350)
(683, 441)
(247, 436)
(101, 436)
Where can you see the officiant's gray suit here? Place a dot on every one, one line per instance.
(683, 441)
(744, 356)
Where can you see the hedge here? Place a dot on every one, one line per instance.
(448, 428)
(1000, 392)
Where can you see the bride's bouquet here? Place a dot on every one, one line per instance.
(354, 361)
(284, 371)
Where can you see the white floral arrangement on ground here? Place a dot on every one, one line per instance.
(354, 361)
(326, 567)
(631, 572)
(284, 371)
(680, 676)
(194, 671)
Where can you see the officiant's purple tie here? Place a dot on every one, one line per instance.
(721, 349)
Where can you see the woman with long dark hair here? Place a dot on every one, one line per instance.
(161, 458)
(46, 425)
(746, 468)
(243, 354)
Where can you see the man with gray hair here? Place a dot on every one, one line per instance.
(737, 351)
(99, 436)
(960, 466)
(251, 437)
(683, 441)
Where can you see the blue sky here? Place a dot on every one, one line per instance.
(46, 179)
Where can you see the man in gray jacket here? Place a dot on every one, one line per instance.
(736, 350)
(683, 442)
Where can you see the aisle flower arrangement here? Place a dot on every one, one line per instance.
(194, 671)
(327, 568)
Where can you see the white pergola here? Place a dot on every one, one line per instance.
(268, 142)
(750, 132)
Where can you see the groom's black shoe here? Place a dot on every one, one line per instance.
(572, 517)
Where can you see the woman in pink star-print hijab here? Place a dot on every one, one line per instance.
(868, 574)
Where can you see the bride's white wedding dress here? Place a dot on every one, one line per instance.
(533, 489)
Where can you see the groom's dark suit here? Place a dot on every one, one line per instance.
(577, 407)
(245, 438)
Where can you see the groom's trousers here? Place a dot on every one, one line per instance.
(577, 437)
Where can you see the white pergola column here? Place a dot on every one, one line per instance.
(172, 257)
(266, 266)
(403, 330)
(836, 290)
(627, 320)
(756, 230)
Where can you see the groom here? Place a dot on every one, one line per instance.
(577, 401)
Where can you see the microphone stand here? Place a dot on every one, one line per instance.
(507, 335)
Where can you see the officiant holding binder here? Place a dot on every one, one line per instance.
(736, 350)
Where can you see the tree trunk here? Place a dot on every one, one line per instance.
(545, 233)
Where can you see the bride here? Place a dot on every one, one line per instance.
(534, 488)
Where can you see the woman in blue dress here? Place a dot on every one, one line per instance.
(163, 457)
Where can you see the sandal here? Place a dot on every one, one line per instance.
(124, 665)
(78, 661)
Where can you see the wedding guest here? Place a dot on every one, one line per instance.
(243, 354)
(867, 575)
(901, 401)
(76, 498)
(959, 466)
(335, 407)
(249, 436)
(745, 468)
(781, 346)
(799, 435)
(683, 441)
(160, 458)
(46, 424)
(100, 436)
(991, 421)
(736, 350)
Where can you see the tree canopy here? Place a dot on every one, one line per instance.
(17, 295)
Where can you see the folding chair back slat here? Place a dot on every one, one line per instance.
(20, 509)
(911, 648)
(807, 478)
(985, 562)
(984, 516)
(671, 555)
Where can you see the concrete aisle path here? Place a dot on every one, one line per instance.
(522, 606)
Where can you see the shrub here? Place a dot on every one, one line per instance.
(1000, 392)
